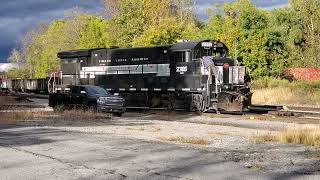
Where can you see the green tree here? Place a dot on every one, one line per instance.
(128, 24)
(168, 31)
(41, 46)
(249, 34)
(146, 22)
(93, 33)
(308, 14)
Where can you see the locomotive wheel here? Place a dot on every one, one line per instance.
(195, 103)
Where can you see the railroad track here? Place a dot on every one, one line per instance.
(301, 112)
(295, 111)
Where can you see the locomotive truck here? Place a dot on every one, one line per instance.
(190, 75)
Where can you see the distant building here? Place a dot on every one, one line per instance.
(5, 67)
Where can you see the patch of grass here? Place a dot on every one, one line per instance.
(285, 95)
(218, 133)
(156, 129)
(226, 124)
(136, 129)
(186, 140)
(6, 100)
(280, 91)
(147, 128)
(12, 117)
(255, 166)
(141, 129)
(238, 125)
(307, 135)
(258, 167)
(271, 82)
(71, 115)
(263, 138)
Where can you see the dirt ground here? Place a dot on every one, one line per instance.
(230, 138)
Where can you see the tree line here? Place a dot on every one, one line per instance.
(265, 41)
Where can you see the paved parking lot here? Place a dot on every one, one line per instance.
(128, 148)
(37, 153)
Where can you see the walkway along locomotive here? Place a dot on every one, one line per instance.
(196, 76)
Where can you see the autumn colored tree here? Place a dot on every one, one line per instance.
(111, 7)
(40, 46)
(266, 42)
(148, 22)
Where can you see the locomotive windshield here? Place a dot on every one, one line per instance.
(215, 49)
(209, 52)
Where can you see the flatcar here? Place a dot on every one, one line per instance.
(191, 75)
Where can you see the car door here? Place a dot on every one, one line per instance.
(82, 97)
(75, 94)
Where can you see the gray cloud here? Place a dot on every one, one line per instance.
(203, 5)
(17, 17)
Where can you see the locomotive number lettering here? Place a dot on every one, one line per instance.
(182, 69)
(206, 44)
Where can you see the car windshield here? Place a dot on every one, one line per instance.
(95, 90)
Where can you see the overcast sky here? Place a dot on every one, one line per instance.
(17, 16)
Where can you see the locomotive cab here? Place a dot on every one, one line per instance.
(217, 81)
(226, 87)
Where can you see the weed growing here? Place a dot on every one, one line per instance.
(269, 90)
(186, 140)
(308, 135)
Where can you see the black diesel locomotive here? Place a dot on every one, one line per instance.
(196, 76)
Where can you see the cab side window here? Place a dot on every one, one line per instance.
(182, 56)
(179, 57)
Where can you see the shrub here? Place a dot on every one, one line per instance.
(271, 82)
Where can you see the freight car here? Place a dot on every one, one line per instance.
(192, 75)
(38, 86)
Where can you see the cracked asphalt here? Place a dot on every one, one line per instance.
(51, 153)
(39, 153)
